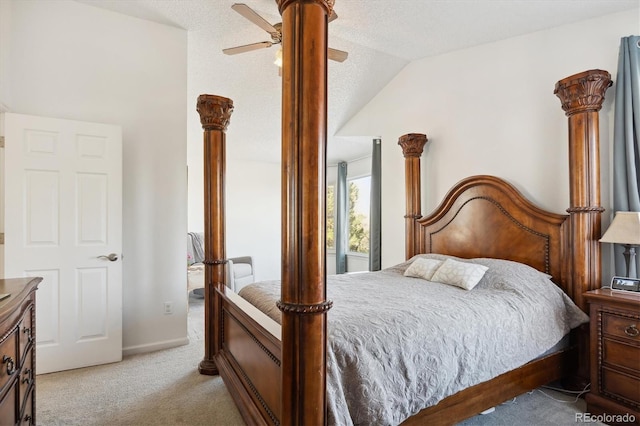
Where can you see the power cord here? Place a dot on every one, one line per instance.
(579, 393)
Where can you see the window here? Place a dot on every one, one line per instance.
(331, 218)
(359, 209)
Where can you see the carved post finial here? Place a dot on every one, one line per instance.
(583, 91)
(215, 112)
(412, 144)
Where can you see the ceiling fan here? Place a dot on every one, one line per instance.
(275, 31)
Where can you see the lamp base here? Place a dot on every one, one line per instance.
(629, 258)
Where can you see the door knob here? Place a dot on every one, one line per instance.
(111, 256)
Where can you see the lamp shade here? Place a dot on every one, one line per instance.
(625, 229)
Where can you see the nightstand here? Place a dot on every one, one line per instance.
(614, 354)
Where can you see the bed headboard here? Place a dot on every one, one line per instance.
(484, 216)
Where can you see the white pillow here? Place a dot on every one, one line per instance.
(423, 268)
(460, 274)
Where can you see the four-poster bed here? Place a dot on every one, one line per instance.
(277, 374)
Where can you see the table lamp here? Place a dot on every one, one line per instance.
(625, 230)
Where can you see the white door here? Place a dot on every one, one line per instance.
(63, 222)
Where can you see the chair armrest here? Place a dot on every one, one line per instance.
(230, 280)
(242, 259)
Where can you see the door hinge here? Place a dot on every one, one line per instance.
(1, 141)
(1, 238)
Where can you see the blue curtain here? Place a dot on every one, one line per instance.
(342, 237)
(626, 147)
(375, 220)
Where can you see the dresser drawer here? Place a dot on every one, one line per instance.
(8, 359)
(623, 327)
(617, 353)
(621, 386)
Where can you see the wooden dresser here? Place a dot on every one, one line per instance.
(17, 351)
(615, 355)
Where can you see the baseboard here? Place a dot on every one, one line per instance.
(157, 346)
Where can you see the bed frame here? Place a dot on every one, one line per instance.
(278, 375)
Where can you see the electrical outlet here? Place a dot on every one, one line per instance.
(168, 308)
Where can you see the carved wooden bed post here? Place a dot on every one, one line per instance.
(215, 113)
(412, 145)
(582, 96)
(304, 127)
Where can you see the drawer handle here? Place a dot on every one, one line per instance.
(11, 364)
(27, 331)
(28, 380)
(631, 331)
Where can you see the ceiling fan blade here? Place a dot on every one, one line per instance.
(247, 48)
(333, 16)
(337, 55)
(251, 15)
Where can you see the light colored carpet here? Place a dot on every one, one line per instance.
(158, 388)
(164, 388)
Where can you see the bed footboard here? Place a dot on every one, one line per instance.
(249, 363)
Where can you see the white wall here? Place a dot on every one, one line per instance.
(359, 168)
(69, 60)
(491, 110)
(253, 215)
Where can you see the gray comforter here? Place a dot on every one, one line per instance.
(397, 344)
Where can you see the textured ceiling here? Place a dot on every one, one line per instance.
(381, 36)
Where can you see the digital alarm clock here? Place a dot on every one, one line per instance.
(625, 283)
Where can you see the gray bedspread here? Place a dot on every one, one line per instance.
(397, 344)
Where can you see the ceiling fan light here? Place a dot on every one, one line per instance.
(278, 60)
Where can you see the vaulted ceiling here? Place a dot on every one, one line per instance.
(381, 36)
